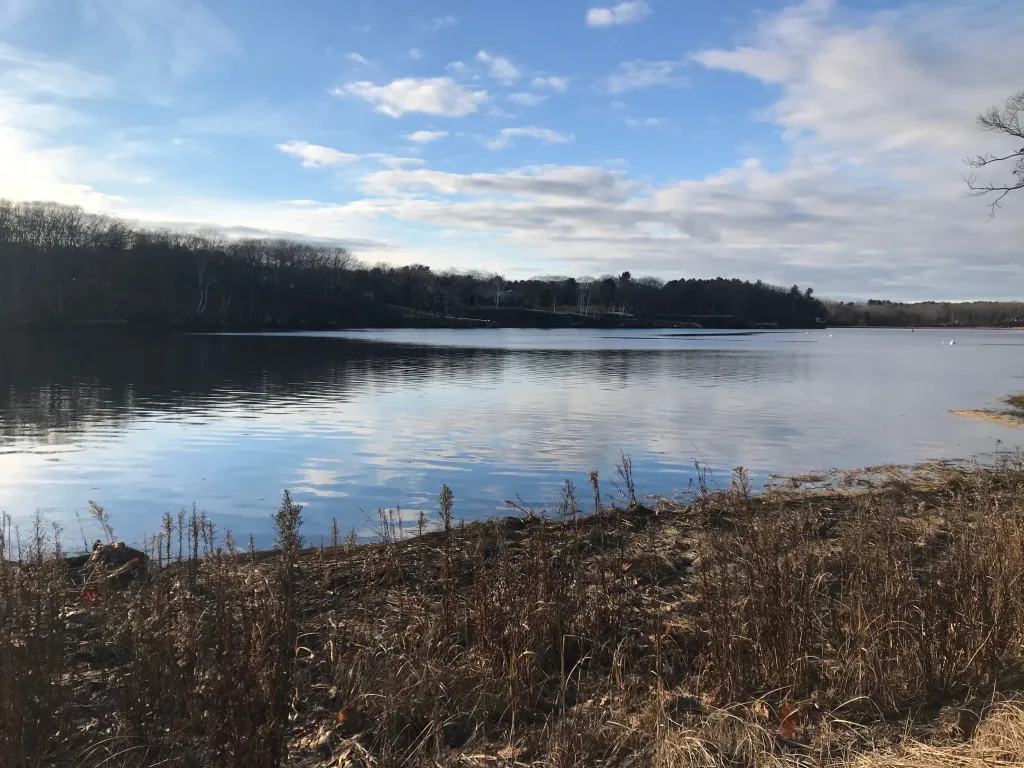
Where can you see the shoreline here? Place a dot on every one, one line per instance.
(547, 321)
(739, 629)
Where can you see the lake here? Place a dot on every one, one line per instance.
(355, 421)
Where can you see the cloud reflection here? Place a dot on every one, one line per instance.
(148, 424)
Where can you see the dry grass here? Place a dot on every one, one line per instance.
(881, 627)
(1012, 416)
(1016, 403)
(996, 417)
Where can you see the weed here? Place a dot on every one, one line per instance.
(785, 629)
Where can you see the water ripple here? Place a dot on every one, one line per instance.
(355, 422)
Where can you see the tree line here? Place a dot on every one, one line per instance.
(880, 313)
(60, 265)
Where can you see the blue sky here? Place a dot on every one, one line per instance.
(817, 142)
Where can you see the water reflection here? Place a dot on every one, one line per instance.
(146, 423)
(53, 386)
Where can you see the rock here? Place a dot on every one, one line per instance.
(116, 555)
(114, 564)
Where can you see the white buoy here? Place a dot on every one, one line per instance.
(830, 335)
(952, 342)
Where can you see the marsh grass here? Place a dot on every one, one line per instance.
(784, 628)
(1011, 416)
(1016, 403)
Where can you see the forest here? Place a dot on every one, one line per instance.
(60, 265)
(967, 314)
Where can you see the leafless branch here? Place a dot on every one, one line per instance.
(1007, 121)
(982, 160)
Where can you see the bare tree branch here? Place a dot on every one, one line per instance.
(1007, 121)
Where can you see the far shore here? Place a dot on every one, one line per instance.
(540, 320)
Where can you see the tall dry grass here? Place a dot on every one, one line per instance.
(784, 628)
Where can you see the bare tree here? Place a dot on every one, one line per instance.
(205, 281)
(1007, 121)
(499, 284)
(585, 291)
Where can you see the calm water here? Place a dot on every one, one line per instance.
(351, 422)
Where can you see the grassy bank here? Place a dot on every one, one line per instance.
(879, 622)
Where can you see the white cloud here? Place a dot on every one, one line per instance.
(500, 68)
(440, 22)
(645, 122)
(527, 99)
(357, 58)
(44, 127)
(770, 66)
(638, 75)
(801, 225)
(878, 113)
(415, 53)
(548, 136)
(32, 171)
(555, 183)
(883, 88)
(459, 68)
(558, 84)
(624, 13)
(398, 163)
(863, 197)
(431, 96)
(425, 137)
(316, 156)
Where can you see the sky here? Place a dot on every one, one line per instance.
(819, 143)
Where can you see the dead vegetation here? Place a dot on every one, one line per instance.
(1011, 416)
(881, 627)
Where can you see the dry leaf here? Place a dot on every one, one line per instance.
(312, 739)
(509, 753)
(789, 728)
(350, 720)
(759, 709)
